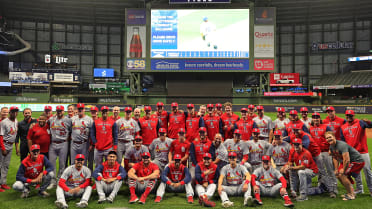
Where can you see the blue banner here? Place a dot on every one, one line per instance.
(200, 64)
(136, 17)
(164, 29)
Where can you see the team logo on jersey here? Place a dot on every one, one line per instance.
(12, 131)
(183, 149)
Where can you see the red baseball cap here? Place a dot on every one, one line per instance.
(315, 114)
(128, 109)
(297, 141)
(304, 109)
(251, 106)
(293, 112)
(159, 104)
(80, 156)
(162, 130)
(177, 157)
(244, 109)
(256, 130)
(94, 108)
(48, 107)
(330, 108)
(266, 157)
(181, 130)
(190, 106)
(147, 108)
(218, 105)
(232, 154)
(138, 137)
(60, 107)
(281, 109)
(14, 108)
(210, 105)
(349, 112)
(146, 154)
(34, 147)
(80, 105)
(296, 126)
(104, 108)
(259, 107)
(208, 155)
(277, 133)
(202, 129)
(237, 131)
(174, 104)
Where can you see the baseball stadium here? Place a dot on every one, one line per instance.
(185, 103)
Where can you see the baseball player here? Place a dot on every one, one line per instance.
(31, 173)
(104, 135)
(115, 113)
(8, 134)
(264, 123)
(48, 111)
(333, 121)
(317, 132)
(23, 127)
(180, 146)
(109, 177)
(39, 133)
(60, 130)
(193, 123)
(162, 115)
(251, 113)
(240, 148)
(177, 120)
(74, 182)
(198, 148)
(159, 149)
(218, 110)
(354, 134)
(81, 125)
(219, 152)
(94, 113)
(306, 120)
(4, 113)
(293, 116)
(279, 151)
(176, 178)
(149, 127)
(281, 121)
(134, 153)
(142, 178)
(212, 123)
(264, 182)
(128, 128)
(257, 148)
(237, 182)
(228, 121)
(207, 31)
(137, 114)
(206, 175)
(70, 111)
(90, 157)
(245, 125)
(347, 161)
(202, 111)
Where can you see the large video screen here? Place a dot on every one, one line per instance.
(202, 33)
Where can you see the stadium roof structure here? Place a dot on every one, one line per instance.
(112, 12)
(352, 79)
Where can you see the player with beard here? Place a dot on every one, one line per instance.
(115, 113)
(180, 146)
(251, 113)
(212, 123)
(257, 148)
(228, 121)
(264, 123)
(306, 120)
(48, 111)
(149, 126)
(279, 151)
(219, 152)
(281, 121)
(193, 123)
(23, 127)
(134, 153)
(136, 114)
(177, 120)
(162, 115)
(334, 122)
(293, 117)
(39, 134)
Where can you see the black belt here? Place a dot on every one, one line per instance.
(58, 142)
(8, 142)
(79, 142)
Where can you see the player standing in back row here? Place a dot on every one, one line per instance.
(264, 123)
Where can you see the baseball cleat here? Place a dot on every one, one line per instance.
(157, 199)
(82, 204)
(142, 199)
(4, 186)
(248, 201)
(288, 203)
(208, 203)
(227, 204)
(61, 205)
(110, 199)
(301, 198)
(44, 194)
(190, 199)
(133, 199)
(258, 201)
(25, 194)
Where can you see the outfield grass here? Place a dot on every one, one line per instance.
(11, 199)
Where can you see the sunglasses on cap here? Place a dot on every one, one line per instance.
(145, 157)
(277, 137)
(206, 158)
(80, 160)
(349, 115)
(128, 111)
(35, 151)
(181, 133)
(296, 144)
(243, 111)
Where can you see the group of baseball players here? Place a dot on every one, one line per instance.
(185, 151)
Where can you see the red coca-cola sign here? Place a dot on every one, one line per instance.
(285, 79)
(264, 64)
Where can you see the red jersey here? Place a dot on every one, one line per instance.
(163, 117)
(229, 120)
(335, 125)
(303, 158)
(207, 178)
(354, 134)
(143, 171)
(33, 168)
(104, 135)
(317, 133)
(198, 149)
(212, 124)
(251, 117)
(176, 121)
(312, 147)
(288, 128)
(176, 175)
(192, 127)
(245, 127)
(110, 172)
(180, 148)
(41, 136)
(113, 118)
(148, 129)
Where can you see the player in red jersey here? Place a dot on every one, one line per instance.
(193, 123)
(39, 134)
(293, 116)
(149, 127)
(218, 110)
(162, 115)
(177, 120)
(245, 125)
(142, 178)
(198, 148)
(228, 121)
(212, 123)
(333, 121)
(179, 146)
(251, 113)
(48, 111)
(94, 113)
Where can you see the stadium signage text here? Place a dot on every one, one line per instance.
(332, 45)
(198, 1)
(199, 64)
(58, 59)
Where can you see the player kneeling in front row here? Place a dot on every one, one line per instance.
(74, 182)
(142, 178)
(267, 177)
(175, 178)
(237, 181)
(30, 173)
(109, 177)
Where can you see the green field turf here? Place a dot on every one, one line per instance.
(10, 199)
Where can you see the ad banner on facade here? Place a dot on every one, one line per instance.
(264, 15)
(200, 64)
(28, 77)
(136, 42)
(285, 79)
(264, 64)
(136, 17)
(264, 41)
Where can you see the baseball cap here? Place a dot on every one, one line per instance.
(60, 107)
(218, 105)
(251, 106)
(80, 105)
(80, 156)
(48, 107)
(293, 112)
(94, 108)
(207, 155)
(296, 126)
(177, 157)
(147, 108)
(330, 108)
(190, 106)
(159, 104)
(35, 147)
(265, 157)
(277, 133)
(174, 104)
(256, 130)
(210, 105)
(304, 109)
(202, 129)
(349, 112)
(13, 108)
(259, 107)
(281, 109)
(237, 131)
(138, 138)
(181, 130)
(232, 154)
(297, 141)
(104, 108)
(315, 114)
(146, 154)
(128, 109)
(162, 130)
(244, 109)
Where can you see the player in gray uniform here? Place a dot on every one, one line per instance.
(266, 184)
(74, 182)
(306, 120)
(81, 125)
(281, 121)
(134, 154)
(257, 149)
(127, 129)
(240, 148)
(60, 130)
(159, 149)
(264, 123)
(279, 151)
(8, 134)
(219, 152)
(237, 182)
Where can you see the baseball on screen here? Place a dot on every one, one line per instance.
(206, 33)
